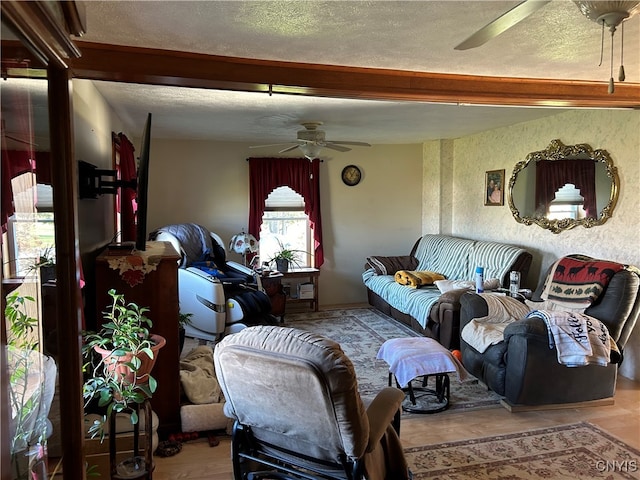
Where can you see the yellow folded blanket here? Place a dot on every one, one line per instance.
(417, 278)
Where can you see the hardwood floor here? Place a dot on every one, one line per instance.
(198, 461)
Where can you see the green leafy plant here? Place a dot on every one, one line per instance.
(118, 360)
(288, 255)
(27, 382)
(184, 319)
(46, 258)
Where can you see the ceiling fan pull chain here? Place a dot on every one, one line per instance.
(621, 75)
(611, 87)
(601, 46)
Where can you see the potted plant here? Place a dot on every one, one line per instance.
(32, 377)
(119, 361)
(285, 257)
(45, 264)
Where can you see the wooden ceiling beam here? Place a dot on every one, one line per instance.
(184, 69)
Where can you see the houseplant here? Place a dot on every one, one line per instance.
(119, 360)
(32, 377)
(184, 319)
(285, 257)
(45, 263)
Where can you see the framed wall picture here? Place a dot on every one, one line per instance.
(494, 187)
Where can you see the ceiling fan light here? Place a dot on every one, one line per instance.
(311, 150)
(610, 13)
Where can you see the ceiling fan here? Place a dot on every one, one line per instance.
(311, 141)
(19, 139)
(610, 14)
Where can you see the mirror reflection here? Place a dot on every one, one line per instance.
(564, 186)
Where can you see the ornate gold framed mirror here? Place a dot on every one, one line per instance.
(564, 186)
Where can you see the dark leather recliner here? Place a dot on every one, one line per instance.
(525, 370)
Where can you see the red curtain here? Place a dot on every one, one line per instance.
(554, 174)
(127, 196)
(300, 174)
(16, 162)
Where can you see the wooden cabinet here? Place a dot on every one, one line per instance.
(150, 279)
(281, 297)
(273, 288)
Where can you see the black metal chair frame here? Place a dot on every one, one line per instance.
(288, 465)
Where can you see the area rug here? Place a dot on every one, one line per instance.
(360, 332)
(578, 451)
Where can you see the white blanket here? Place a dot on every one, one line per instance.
(413, 357)
(483, 332)
(579, 339)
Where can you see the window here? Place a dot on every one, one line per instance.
(30, 230)
(568, 203)
(267, 175)
(285, 223)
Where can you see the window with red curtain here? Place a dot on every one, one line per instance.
(554, 174)
(300, 174)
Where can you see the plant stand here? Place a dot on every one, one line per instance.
(143, 470)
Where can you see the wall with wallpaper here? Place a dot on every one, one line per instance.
(618, 239)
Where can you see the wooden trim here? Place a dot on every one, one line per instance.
(45, 34)
(183, 69)
(75, 17)
(68, 296)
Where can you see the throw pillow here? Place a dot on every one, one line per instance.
(390, 265)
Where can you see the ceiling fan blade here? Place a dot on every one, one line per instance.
(339, 148)
(15, 138)
(361, 144)
(502, 23)
(273, 145)
(288, 149)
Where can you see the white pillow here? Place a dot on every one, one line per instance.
(446, 285)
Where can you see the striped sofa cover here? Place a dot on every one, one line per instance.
(425, 309)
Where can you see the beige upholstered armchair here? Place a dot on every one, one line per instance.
(294, 398)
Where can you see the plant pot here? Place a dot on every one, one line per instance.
(282, 265)
(47, 273)
(117, 365)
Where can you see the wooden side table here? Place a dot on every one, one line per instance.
(273, 288)
(279, 298)
(313, 275)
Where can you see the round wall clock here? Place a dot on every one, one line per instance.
(351, 175)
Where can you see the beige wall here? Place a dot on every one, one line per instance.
(207, 183)
(618, 239)
(93, 122)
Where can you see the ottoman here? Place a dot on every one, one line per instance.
(414, 357)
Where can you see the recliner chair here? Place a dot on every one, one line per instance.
(525, 370)
(298, 414)
(221, 296)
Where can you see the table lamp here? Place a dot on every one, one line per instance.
(243, 243)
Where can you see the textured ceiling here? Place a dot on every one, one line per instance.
(557, 41)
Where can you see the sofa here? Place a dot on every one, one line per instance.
(526, 367)
(431, 310)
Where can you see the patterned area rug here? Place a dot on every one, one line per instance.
(361, 332)
(579, 451)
